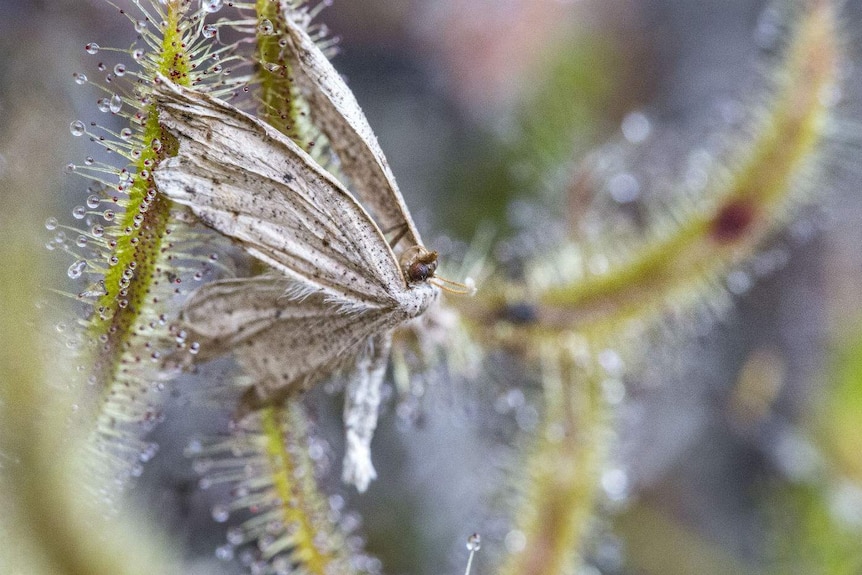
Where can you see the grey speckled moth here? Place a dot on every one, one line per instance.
(342, 289)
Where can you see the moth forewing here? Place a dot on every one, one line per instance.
(337, 114)
(250, 182)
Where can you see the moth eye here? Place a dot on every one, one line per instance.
(419, 272)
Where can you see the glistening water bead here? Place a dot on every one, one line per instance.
(76, 269)
(266, 28)
(92, 48)
(77, 128)
(220, 513)
(116, 104)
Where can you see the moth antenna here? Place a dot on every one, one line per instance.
(467, 288)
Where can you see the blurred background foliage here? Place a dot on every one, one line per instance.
(739, 447)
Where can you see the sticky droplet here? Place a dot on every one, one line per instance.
(115, 104)
(77, 128)
(76, 269)
(220, 513)
(265, 27)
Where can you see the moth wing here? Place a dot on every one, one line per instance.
(283, 338)
(361, 407)
(252, 183)
(337, 113)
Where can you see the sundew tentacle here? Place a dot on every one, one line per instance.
(681, 265)
(133, 254)
(280, 100)
(691, 250)
(271, 462)
(563, 468)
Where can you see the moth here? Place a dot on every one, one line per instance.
(341, 288)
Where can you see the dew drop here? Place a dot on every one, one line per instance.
(140, 26)
(51, 224)
(194, 348)
(126, 133)
(80, 78)
(194, 447)
(220, 513)
(76, 269)
(235, 536)
(149, 452)
(474, 542)
(70, 168)
(213, 6)
(209, 31)
(615, 483)
(78, 212)
(738, 282)
(92, 48)
(81, 241)
(89, 161)
(103, 105)
(93, 201)
(97, 231)
(224, 552)
(624, 188)
(515, 541)
(116, 104)
(120, 70)
(156, 144)
(77, 128)
(265, 27)
(137, 54)
(109, 215)
(636, 127)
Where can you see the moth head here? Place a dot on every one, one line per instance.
(418, 264)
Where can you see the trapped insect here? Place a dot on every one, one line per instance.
(341, 290)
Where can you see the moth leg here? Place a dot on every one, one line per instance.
(361, 403)
(402, 230)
